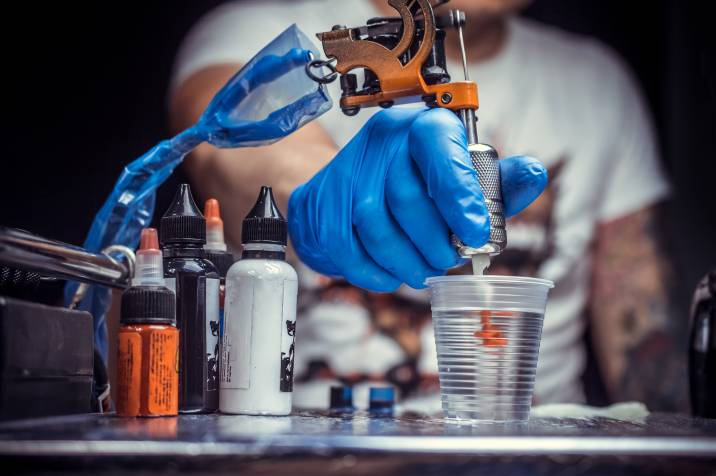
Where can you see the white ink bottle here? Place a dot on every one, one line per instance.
(260, 318)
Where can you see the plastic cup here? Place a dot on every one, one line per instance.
(487, 334)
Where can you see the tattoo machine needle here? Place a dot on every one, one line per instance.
(485, 160)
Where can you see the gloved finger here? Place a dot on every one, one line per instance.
(358, 267)
(381, 236)
(438, 145)
(334, 249)
(307, 244)
(523, 180)
(388, 244)
(417, 214)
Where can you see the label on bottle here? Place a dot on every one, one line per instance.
(259, 334)
(236, 343)
(288, 336)
(163, 385)
(222, 295)
(148, 371)
(212, 334)
(129, 373)
(198, 321)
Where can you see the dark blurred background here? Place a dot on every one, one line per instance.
(87, 94)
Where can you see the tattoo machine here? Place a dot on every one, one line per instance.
(403, 60)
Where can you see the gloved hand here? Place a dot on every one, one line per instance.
(380, 213)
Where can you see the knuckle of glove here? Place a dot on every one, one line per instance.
(402, 195)
(365, 210)
(535, 176)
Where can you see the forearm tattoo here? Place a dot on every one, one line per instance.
(640, 334)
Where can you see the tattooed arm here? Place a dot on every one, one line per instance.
(638, 335)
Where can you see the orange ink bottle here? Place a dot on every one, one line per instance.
(148, 348)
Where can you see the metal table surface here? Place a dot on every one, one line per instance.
(314, 443)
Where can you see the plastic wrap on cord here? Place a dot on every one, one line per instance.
(269, 98)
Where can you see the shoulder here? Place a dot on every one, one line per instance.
(568, 55)
(578, 72)
(268, 8)
(260, 15)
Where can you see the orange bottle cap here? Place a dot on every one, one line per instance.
(214, 226)
(148, 268)
(212, 212)
(149, 240)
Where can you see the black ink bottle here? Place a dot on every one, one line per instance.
(702, 349)
(195, 281)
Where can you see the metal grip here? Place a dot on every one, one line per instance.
(486, 163)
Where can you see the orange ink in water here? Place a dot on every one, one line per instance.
(490, 334)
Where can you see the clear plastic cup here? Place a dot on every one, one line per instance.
(487, 334)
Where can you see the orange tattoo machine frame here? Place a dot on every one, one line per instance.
(395, 53)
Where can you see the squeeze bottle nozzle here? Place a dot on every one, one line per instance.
(214, 226)
(149, 270)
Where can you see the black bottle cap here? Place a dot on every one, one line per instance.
(148, 305)
(264, 223)
(711, 282)
(183, 222)
(341, 397)
(222, 260)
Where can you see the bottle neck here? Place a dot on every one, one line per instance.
(183, 250)
(264, 251)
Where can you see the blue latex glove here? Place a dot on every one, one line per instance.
(380, 213)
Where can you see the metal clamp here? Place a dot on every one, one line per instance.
(131, 260)
(24, 250)
(320, 64)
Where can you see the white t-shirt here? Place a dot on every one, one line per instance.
(559, 97)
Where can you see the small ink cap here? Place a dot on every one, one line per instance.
(381, 399)
(183, 223)
(214, 226)
(265, 223)
(341, 397)
(149, 270)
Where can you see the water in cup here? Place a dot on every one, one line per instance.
(487, 334)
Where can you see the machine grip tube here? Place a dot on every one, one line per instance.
(485, 160)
